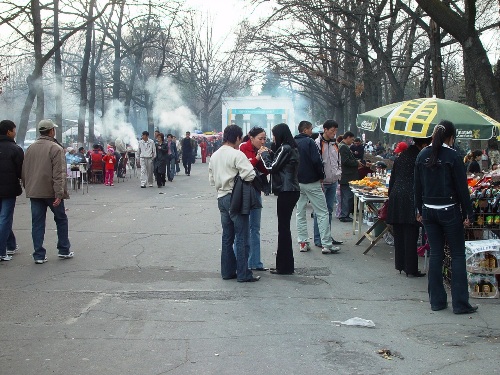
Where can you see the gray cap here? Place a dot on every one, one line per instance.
(46, 125)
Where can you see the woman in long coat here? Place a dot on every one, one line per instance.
(161, 160)
(401, 213)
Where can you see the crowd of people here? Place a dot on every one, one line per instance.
(303, 169)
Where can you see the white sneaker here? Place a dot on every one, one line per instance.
(5, 258)
(12, 252)
(330, 250)
(41, 261)
(304, 247)
(66, 256)
(150, 185)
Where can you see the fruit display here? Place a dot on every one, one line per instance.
(369, 186)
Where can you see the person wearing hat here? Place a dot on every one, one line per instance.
(44, 180)
(400, 147)
(70, 156)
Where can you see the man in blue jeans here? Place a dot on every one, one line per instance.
(225, 164)
(44, 179)
(11, 164)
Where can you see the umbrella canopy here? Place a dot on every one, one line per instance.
(417, 118)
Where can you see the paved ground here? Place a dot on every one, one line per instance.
(143, 295)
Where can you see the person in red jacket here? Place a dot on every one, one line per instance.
(203, 148)
(253, 142)
(109, 166)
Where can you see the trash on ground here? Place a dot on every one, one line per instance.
(358, 322)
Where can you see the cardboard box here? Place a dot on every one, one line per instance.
(483, 256)
(482, 285)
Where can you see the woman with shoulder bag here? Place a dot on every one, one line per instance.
(251, 145)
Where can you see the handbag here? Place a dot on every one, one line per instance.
(382, 212)
(261, 183)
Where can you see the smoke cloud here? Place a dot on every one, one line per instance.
(169, 111)
(114, 124)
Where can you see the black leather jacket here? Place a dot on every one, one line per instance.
(11, 164)
(283, 166)
(446, 183)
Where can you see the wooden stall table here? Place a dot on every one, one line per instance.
(368, 202)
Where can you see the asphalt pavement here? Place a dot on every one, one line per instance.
(143, 295)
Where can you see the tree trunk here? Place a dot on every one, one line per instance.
(117, 47)
(470, 83)
(133, 76)
(426, 78)
(34, 80)
(58, 117)
(84, 74)
(437, 60)
(92, 96)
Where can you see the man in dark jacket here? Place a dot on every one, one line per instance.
(11, 165)
(187, 153)
(350, 166)
(311, 174)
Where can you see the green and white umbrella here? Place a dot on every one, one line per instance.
(417, 118)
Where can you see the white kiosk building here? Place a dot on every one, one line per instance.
(262, 111)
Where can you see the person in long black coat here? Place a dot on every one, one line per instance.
(161, 160)
(401, 212)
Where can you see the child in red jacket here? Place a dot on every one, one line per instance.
(109, 166)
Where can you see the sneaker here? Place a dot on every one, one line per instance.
(330, 250)
(66, 256)
(5, 258)
(112, 185)
(335, 242)
(304, 247)
(12, 252)
(143, 186)
(41, 261)
(150, 185)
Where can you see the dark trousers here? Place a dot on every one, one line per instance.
(160, 179)
(285, 205)
(186, 162)
(347, 201)
(405, 247)
(440, 225)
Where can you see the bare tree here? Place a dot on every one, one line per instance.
(462, 26)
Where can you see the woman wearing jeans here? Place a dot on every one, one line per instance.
(283, 165)
(252, 143)
(443, 204)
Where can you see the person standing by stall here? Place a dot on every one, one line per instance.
(401, 209)
(444, 207)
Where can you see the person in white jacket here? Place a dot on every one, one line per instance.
(146, 152)
(331, 163)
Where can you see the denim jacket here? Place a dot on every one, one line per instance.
(446, 183)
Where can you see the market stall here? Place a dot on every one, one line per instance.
(369, 194)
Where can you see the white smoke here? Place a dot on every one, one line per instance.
(169, 110)
(114, 124)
